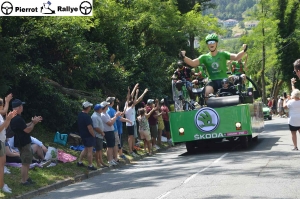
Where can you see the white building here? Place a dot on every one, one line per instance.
(251, 24)
(230, 22)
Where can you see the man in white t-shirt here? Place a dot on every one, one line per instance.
(99, 132)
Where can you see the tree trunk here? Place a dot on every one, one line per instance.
(192, 46)
(278, 88)
(263, 82)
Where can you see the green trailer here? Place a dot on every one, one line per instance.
(223, 117)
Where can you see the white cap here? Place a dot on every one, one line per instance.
(86, 104)
(104, 104)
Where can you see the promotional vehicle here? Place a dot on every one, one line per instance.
(235, 118)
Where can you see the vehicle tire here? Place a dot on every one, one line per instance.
(270, 117)
(255, 139)
(244, 142)
(190, 147)
(249, 138)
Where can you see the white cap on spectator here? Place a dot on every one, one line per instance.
(86, 104)
(104, 104)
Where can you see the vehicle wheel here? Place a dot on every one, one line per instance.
(249, 138)
(255, 139)
(190, 147)
(270, 117)
(244, 142)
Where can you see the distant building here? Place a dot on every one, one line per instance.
(230, 22)
(237, 35)
(251, 24)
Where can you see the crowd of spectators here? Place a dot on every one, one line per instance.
(146, 124)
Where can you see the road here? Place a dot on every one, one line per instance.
(268, 169)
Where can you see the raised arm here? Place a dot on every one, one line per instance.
(6, 122)
(188, 61)
(142, 96)
(240, 55)
(6, 105)
(150, 112)
(134, 89)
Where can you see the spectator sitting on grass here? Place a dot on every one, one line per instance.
(38, 148)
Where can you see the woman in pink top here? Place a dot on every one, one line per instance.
(165, 116)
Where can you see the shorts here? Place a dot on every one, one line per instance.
(280, 110)
(117, 140)
(130, 130)
(110, 138)
(167, 126)
(121, 142)
(89, 141)
(26, 154)
(286, 110)
(145, 135)
(2, 150)
(294, 128)
(161, 125)
(216, 84)
(99, 144)
(153, 131)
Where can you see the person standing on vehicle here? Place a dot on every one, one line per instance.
(294, 115)
(215, 62)
(239, 67)
(183, 72)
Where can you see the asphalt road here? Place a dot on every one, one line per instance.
(267, 169)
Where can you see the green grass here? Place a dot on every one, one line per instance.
(47, 176)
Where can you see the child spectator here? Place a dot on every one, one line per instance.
(144, 128)
(160, 122)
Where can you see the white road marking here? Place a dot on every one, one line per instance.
(192, 176)
(163, 195)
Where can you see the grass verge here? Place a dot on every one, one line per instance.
(49, 175)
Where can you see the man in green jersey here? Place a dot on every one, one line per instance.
(215, 62)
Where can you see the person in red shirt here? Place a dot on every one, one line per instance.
(165, 116)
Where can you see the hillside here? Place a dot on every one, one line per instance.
(230, 9)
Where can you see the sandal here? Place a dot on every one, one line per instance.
(295, 149)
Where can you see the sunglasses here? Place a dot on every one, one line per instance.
(211, 42)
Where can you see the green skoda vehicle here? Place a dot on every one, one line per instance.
(235, 118)
(267, 112)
